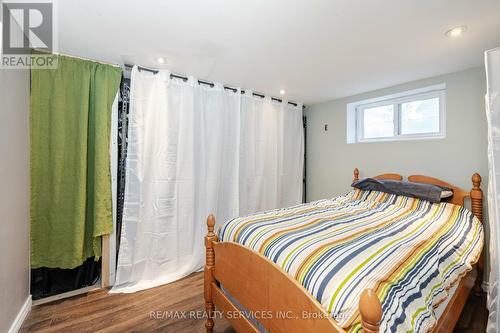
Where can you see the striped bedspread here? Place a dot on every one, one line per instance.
(410, 251)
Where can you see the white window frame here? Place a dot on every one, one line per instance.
(355, 118)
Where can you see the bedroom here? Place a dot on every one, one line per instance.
(279, 166)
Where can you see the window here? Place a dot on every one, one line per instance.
(416, 114)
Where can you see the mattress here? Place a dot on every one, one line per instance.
(410, 251)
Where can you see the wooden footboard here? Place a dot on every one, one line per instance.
(277, 301)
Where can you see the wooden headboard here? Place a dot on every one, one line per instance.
(458, 198)
(459, 195)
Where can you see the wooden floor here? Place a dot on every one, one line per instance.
(153, 311)
(474, 316)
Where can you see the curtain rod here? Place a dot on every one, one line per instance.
(184, 78)
(77, 57)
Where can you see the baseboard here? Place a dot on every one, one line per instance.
(84, 290)
(21, 316)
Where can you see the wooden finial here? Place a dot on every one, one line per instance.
(356, 175)
(210, 224)
(476, 180)
(476, 196)
(370, 310)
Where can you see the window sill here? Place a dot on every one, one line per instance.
(401, 138)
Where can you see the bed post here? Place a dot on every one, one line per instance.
(209, 278)
(476, 198)
(356, 175)
(370, 310)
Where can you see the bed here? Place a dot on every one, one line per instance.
(365, 261)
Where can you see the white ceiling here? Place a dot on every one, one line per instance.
(315, 49)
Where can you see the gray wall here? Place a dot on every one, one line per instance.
(14, 193)
(330, 160)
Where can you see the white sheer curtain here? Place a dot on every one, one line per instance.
(272, 150)
(195, 150)
(182, 164)
(493, 117)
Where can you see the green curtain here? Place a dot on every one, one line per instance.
(71, 204)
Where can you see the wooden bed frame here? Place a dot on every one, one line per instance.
(281, 304)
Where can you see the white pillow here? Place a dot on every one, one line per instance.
(446, 194)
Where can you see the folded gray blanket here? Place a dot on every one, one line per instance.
(424, 191)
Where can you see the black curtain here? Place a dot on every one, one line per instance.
(52, 281)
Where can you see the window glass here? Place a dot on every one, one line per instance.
(378, 122)
(420, 117)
